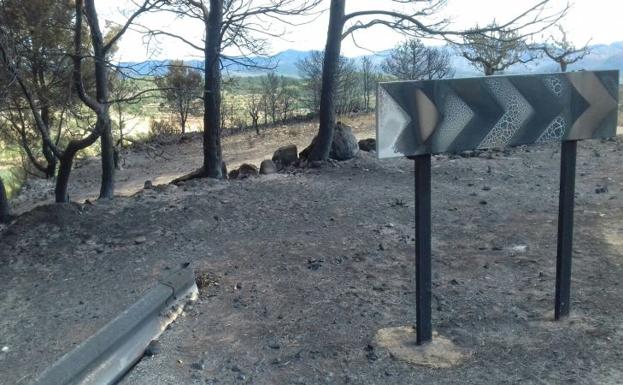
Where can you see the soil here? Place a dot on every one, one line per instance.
(300, 270)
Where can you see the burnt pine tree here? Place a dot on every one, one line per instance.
(38, 35)
(310, 70)
(495, 51)
(5, 214)
(369, 78)
(238, 25)
(254, 106)
(562, 51)
(181, 87)
(99, 104)
(413, 18)
(412, 60)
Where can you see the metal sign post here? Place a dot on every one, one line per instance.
(424, 329)
(419, 118)
(565, 228)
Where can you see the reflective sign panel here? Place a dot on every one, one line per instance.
(438, 116)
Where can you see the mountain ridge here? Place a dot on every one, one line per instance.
(601, 57)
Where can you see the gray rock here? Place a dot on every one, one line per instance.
(367, 144)
(344, 145)
(153, 348)
(148, 185)
(198, 365)
(246, 170)
(267, 167)
(286, 155)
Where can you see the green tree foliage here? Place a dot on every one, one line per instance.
(181, 87)
(412, 60)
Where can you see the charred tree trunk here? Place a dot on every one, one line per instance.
(330, 68)
(5, 214)
(212, 156)
(62, 180)
(107, 188)
(50, 159)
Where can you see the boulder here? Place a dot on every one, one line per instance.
(344, 145)
(367, 144)
(286, 155)
(233, 174)
(244, 171)
(267, 167)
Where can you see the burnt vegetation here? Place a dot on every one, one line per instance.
(64, 95)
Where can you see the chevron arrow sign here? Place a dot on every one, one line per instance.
(445, 116)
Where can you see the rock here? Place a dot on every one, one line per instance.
(267, 167)
(286, 155)
(601, 190)
(153, 348)
(314, 264)
(246, 170)
(367, 144)
(148, 185)
(198, 365)
(233, 174)
(344, 145)
(274, 345)
(140, 240)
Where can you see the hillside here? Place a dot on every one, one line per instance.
(601, 57)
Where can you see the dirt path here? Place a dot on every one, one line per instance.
(305, 267)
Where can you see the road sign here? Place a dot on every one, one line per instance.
(438, 116)
(420, 118)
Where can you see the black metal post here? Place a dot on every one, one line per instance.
(423, 248)
(565, 228)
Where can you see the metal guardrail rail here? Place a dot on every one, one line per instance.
(106, 356)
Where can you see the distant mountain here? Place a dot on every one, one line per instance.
(284, 63)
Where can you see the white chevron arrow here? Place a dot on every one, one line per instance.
(456, 116)
(601, 103)
(392, 120)
(518, 111)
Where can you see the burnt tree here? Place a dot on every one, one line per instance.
(238, 25)
(414, 19)
(562, 51)
(5, 214)
(99, 104)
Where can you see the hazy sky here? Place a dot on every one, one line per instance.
(598, 20)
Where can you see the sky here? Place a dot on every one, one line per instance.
(594, 20)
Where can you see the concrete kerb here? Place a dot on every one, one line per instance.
(107, 355)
